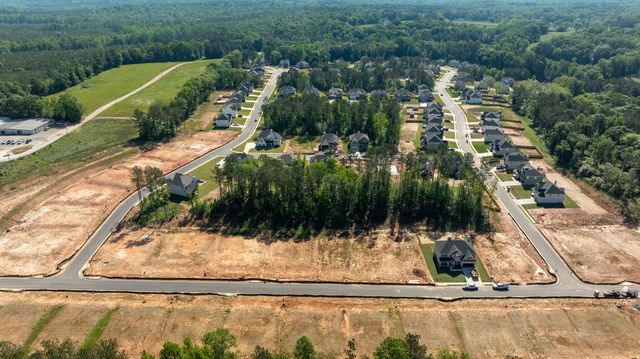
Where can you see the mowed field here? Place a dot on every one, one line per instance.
(114, 83)
(552, 328)
(163, 90)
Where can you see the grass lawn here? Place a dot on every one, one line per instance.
(240, 120)
(567, 203)
(481, 147)
(90, 142)
(413, 101)
(449, 135)
(252, 98)
(114, 83)
(448, 124)
(504, 176)
(520, 192)
(271, 150)
(440, 275)
(452, 145)
(476, 135)
(244, 113)
(163, 90)
(205, 173)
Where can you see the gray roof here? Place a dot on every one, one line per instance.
(489, 122)
(287, 90)
(329, 137)
(357, 92)
(493, 131)
(335, 91)
(287, 158)
(311, 91)
(516, 156)
(359, 137)
(181, 180)
(528, 170)
(452, 248)
(269, 136)
(549, 188)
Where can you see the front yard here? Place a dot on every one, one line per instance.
(205, 173)
(520, 192)
(481, 147)
(446, 276)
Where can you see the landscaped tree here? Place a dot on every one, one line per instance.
(304, 349)
(138, 180)
(392, 348)
(219, 344)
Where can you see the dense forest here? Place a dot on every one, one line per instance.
(222, 344)
(268, 194)
(578, 61)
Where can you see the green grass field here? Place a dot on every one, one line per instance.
(40, 325)
(244, 113)
(92, 141)
(114, 83)
(452, 145)
(449, 135)
(504, 176)
(446, 276)
(96, 332)
(205, 173)
(567, 203)
(163, 90)
(520, 192)
(481, 147)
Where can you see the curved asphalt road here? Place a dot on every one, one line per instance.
(70, 277)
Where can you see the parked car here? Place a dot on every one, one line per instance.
(470, 286)
(500, 286)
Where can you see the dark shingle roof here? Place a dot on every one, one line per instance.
(181, 180)
(269, 136)
(455, 248)
(359, 137)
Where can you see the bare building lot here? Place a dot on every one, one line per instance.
(175, 253)
(57, 226)
(484, 328)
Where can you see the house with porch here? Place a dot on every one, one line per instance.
(454, 254)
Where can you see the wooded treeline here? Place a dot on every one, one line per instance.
(266, 193)
(595, 136)
(222, 344)
(313, 115)
(162, 120)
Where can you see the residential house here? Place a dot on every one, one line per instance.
(228, 111)
(454, 63)
(489, 124)
(403, 95)
(432, 112)
(507, 81)
(459, 85)
(284, 63)
(548, 193)
(379, 93)
(436, 120)
(237, 157)
(432, 141)
(182, 185)
(422, 87)
(494, 134)
(286, 91)
(471, 97)
(328, 142)
(433, 130)
(287, 158)
(302, 65)
(528, 175)
(425, 96)
(514, 160)
(335, 93)
(495, 116)
(223, 121)
(311, 91)
(358, 142)
(268, 139)
(502, 147)
(357, 94)
(454, 254)
(318, 157)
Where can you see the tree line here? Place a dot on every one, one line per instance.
(309, 115)
(222, 344)
(267, 194)
(595, 136)
(162, 120)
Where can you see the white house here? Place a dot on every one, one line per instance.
(182, 185)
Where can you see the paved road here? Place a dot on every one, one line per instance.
(70, 277)
(93, 115)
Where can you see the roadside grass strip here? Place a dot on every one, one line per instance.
(96, 332)
(40, 325)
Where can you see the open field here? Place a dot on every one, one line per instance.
(181, 252)
(552, 328)
(114, 83)
(91, 141)
(54, 229)
(163, 90)
(598, 247)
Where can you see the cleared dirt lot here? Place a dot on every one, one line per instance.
(196, 254)
(408, 133)
(597, 247)
(62, 221)
(508, 255)
(484, 328)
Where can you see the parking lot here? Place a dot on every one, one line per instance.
(14, 146)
